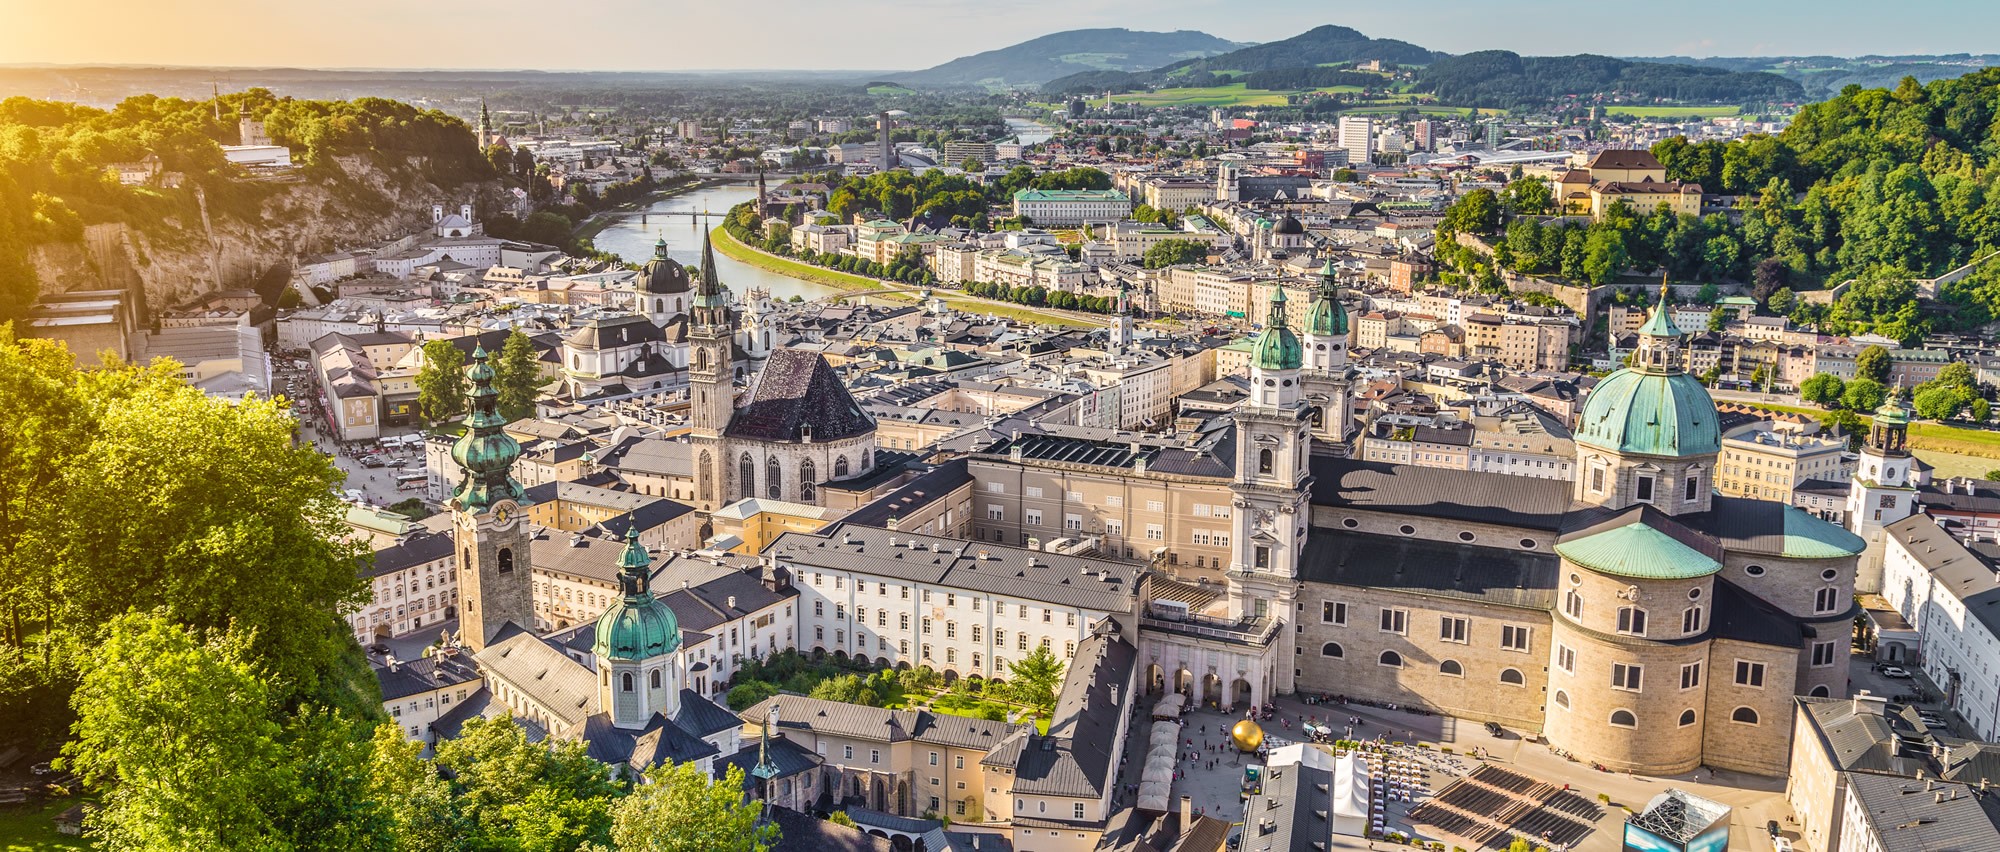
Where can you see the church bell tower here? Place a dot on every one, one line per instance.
(494, 586)
(711, 383)
(1882, 491)
(1272, 482)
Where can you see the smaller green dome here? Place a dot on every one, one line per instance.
(638, 626)
(1639, 552)
(1328, 317)
(1278, 348)
(485, 452)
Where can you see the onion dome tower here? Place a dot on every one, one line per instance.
(638, 644)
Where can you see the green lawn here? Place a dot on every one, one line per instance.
(31, 828)
(1934, 438)
(1398, 109)
(1952, 464)
(1675, 111)
(1234, 94)
(726, 243)
(880, 91)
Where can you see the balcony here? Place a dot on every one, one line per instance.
(1255, 632)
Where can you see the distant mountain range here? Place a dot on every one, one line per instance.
(1822, 76)
(1493, 78)
(1037, 61)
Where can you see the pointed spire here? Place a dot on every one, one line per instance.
(710, 284)
(633, 563)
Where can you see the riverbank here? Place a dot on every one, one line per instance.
(861, 285)
(846, 282)
(586, 231)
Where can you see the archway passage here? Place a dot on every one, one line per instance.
(1241, 694)
(1184, 682)
(1156, 679)
(1211, 692)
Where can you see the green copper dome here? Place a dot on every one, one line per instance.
(1328, 317)
(1650, 413)
(1278, 348)
(1640, 552)
(485, 453)
(638, 626)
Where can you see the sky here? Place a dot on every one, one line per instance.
(669, 35)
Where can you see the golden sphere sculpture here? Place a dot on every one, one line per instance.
(1247, 736)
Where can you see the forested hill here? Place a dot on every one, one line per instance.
(1040, 60)
(1318, 46)
(1877, 187)
(1499, 78)
(1488, 78)
(362, 163)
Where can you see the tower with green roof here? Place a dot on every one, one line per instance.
(1882, 491)
(638, 645)
(493, 569)
(1649, 432)
(1271, 487)
(1325, 381)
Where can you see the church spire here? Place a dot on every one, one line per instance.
(486, 453)
(633, 564)
(485, 124)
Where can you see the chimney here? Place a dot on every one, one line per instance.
(1187, 812)
(732, 601)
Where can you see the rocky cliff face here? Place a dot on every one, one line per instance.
(253, 240)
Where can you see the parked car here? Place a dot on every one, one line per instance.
(1895, 672)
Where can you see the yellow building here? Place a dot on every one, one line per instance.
(1633, 176)
(756, 522)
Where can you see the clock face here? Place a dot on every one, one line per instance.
(503, 512)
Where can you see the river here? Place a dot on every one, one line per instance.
(632, 240)
(1029, 132)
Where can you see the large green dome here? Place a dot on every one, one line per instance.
(1650, 413)
(638, 626)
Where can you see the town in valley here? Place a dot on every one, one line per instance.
(1118, 441)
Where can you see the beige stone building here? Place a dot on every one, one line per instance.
(1768, 461)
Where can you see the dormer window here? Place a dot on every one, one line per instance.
(1642, 488)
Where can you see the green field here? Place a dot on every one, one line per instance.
(1398, 109)
(1932, 438)
(1233, 94)
(883, 91)
(1675, 111)
(32, 828)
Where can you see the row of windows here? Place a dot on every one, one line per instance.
(1451, 628)
(1393, 660)
(1622, 718)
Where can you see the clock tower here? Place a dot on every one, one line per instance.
(492, 537)
(711, 385)
(1273, 481)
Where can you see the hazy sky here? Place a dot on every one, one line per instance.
(892, 34)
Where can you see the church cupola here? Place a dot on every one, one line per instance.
(1649, 433)
(1327, 324)
(1659, 340)
(1277, 358)
(638, 640)
(485, 452)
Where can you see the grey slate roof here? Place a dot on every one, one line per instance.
(661, 741)
(913, 495)
(799, 832)
(1502, 576)
(1495, 498)
(1006, 571)
(544, 673)
(1292, 813)
(789, 757)
(1907, 815)
(1078, 757)
(1743, 616)
(416, 550)
(1858, 739)
(656, 456)
(801, 713)
(424, 675)
(1966, 574)
(797, 392)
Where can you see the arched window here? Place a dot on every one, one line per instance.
(506, 560)
(1331, 649)
(1451, 667)
(659, 305)
(1562, 699)
(1632, 619)
(655, 679)
(626, 680)
(1744, 715)
(1821, 691)
(1512, 677)
(867, 459)
(774, 484)
(1624, 719)
(701, 359)
(1392, 659)
(1687, 718)
(807, 477)
(1264, 461)
(840, 467)
(704, 473)
(746, 474)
